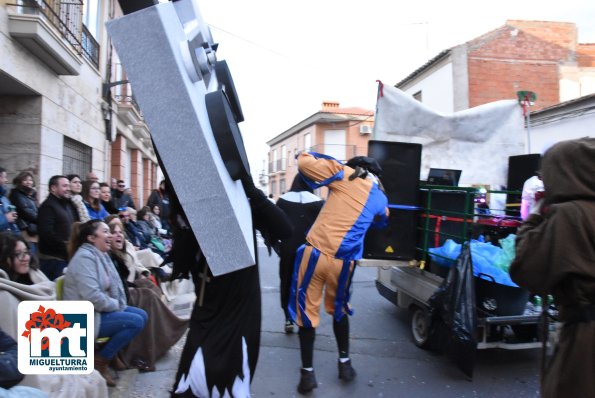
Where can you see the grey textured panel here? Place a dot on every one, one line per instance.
(150, 45)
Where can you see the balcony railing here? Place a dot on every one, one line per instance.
(126, 99)
(90, 47)
(121, 89)
(66, 16)
(279, 165)
(338, 151)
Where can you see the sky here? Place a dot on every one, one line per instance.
(286, 58)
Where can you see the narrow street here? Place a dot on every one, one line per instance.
(128, 110)
(387, 362)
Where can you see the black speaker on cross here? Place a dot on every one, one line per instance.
(401, 164)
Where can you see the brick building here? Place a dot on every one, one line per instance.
(339, 132)
(543, 57)
(539, 56)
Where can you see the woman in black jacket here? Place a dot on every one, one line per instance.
(24, 197)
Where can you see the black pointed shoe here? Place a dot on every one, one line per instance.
(346, 371)
(307, 381)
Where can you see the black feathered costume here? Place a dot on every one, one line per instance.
(223, 342)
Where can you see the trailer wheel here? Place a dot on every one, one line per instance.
(420, 327)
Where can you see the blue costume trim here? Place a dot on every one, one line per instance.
(323, 156)
(404, 207)
(298, 296)
(299, 254)
(300, 293)
(343, 295)
(352, 246)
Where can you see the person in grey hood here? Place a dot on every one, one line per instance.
(555, 254)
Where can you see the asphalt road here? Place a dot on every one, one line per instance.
(388, 364)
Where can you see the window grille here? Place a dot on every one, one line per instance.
(77, 158)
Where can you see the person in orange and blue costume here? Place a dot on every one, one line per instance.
(355, 202)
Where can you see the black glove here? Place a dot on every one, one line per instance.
(251, 191)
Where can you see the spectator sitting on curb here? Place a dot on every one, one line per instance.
(76, 197)
(106, 198)
(91, 197)
(9, 372)
(120, 198)
(24, 198)
(20, 281)
(163, 328)
(92, 276)
(160, 197)
(91, 176)
(55, 217)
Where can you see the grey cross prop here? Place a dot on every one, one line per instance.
(189, 103)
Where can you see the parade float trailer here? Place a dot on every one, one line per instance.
(478, 141)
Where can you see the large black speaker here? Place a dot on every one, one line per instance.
(520, 169)
(401, 163)
(130, 6)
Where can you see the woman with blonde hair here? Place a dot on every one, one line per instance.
(163, 327)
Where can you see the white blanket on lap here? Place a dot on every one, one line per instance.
(56, 386)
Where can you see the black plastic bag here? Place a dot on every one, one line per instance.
(454, 317)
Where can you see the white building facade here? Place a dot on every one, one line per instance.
(61, 111)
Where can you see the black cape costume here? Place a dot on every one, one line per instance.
(223, 342)
(301, 207)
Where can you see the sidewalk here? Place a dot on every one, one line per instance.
(157, 384)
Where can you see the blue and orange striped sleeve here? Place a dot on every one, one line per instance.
(319, 168)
